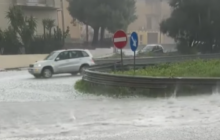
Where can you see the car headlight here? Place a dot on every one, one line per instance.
(38, 65)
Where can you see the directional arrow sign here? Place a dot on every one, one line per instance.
(134, 41)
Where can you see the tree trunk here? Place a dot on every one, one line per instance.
(44, 32)
(102, 35)
(95, 36)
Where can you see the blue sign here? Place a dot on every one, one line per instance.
(134, 41)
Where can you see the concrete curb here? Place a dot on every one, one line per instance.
(13, 69)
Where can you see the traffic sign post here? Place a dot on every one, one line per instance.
(134, 45)
(120, 41)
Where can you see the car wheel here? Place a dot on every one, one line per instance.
(47, 73)
(82, 68)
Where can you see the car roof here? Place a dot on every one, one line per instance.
(85, 50)
(71, 50)
(153, 45)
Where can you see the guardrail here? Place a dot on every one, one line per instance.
(101, 74)
(163, 59)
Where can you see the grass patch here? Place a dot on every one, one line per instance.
(195, 68)
(116, 92)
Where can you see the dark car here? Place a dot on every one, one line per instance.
(152, 48)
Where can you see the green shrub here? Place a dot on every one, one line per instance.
(195, 68)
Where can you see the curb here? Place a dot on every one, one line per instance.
(13, 69)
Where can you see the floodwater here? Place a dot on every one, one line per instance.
(51, 109)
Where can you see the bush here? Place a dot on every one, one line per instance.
(116, 91)
(195, 68)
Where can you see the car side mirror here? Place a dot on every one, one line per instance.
(57, 59)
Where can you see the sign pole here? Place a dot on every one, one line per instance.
(134, 45)
(121, 57)
(134, 61)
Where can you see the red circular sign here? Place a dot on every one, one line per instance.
(120, 39)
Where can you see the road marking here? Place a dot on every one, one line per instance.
(120, 39)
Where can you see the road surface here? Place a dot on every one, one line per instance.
(51, 109)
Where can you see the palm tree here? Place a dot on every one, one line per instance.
(24, 27)
(16, 18)
(48, 25)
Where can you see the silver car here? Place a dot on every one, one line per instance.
(63, 61)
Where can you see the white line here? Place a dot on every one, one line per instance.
(120, 39)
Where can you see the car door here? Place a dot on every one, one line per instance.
(62, 62)
(76, 60)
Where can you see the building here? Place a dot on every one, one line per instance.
(75, 28)
(150, 13)
(39, 9)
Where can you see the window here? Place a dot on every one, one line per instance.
(64, 55)
(76, 54)
(51, 56)
(85, 54)
(141, 39)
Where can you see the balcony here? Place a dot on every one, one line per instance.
(42, 4)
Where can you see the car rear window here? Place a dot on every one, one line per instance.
(85, 54)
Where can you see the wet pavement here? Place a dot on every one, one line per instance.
(51, 109)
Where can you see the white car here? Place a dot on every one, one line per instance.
(63, 61)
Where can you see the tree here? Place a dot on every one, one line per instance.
(23, 26)
(195, 25)
(48, 25)
(104, 14)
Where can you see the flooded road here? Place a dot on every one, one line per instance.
(51, 109)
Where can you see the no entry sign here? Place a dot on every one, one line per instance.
(120, 39)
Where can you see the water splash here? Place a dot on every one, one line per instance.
(175, 90)
(216, 89)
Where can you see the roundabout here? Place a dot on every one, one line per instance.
(162, 80)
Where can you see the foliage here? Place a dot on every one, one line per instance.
(49, 42)
(119, 92)
(23, 26)
(195, 68)
(111, 15)
(195, 25)
(87, 88)
(20, 36)
(9, 38)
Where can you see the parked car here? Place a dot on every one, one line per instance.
(152, 48)
(63, 61)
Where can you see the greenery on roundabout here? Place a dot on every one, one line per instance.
(195, 68)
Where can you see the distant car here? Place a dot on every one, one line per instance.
(152, 48)
(63, 61)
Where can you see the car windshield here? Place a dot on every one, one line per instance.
(148, 48)
(52, 56)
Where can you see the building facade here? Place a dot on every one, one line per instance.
(39, 9)
(75, 28)
(150, 13)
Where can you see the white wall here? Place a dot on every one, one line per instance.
(15, 61)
